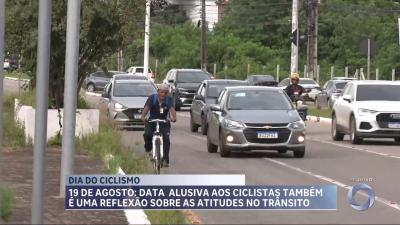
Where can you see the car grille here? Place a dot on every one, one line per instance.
(187, 94)
(131, 112)
(384, 119)
(251, 135)
(266, 124)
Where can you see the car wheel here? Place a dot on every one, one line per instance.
(193, 126)
(211, 148)
(336, 135)
(354, 138)
(90, 88)
(299, 153)
(224, 152)
(203, 125)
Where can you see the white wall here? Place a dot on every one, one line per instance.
(87, 121)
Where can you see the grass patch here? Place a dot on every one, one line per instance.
(17, 74)
(323, 112)
(14, 135)
(6, 204)
(108, 142)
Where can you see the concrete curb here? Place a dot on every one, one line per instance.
(13, 78)
(92, 94)
(319, 119)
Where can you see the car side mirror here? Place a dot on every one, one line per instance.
(215, 108)
(105, 95)
(171, 81)
(199, 97)
(347, 98)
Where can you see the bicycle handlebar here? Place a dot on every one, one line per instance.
(158, 120)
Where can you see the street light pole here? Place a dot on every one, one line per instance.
(70, 91)
(146, 40)
(2, 28)
(42, 89)
(294, 59)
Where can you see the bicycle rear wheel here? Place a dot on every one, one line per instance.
(157, 161)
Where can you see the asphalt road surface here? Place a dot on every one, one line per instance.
(377, 163)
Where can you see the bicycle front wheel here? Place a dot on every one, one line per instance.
(157, 161)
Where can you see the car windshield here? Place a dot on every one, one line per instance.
(192, 77)
(378, 93)
(340, 86)
(302, 81)
(258, 100)
(263, 78)
(215, 89)
(126, 89)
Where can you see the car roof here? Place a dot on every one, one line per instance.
(224, 81)
(189, 70)
(339, 81)
(134, 81)
(253, 88)
(375, 82)
(128, 76)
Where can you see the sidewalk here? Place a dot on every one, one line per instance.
(16, 174)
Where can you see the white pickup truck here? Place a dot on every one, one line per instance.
(139, 70)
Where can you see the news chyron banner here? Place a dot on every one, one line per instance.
(192, 192)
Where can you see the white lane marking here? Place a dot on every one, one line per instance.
(134, 216)
(355, 148)
(384, 201)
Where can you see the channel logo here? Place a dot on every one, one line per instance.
(353, 191)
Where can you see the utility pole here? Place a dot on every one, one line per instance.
(146, 40)
(70, 91)
(42, 98)
(204, 28)
(2, 28)
(294, 59)
(312, 40)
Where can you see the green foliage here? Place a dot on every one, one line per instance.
(166, 217)
(14, 135)
(6, 203)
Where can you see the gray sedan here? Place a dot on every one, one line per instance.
(255, 118)
(125, 101)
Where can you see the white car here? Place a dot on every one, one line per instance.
(139, 70)
(367, 109)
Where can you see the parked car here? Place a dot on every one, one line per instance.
(310, 85)
(255, 118)
(184, 84)
(330, 92)
(367, 109)
(262, 80)
(125, 101)
(206, 95)
(139, 70)
(98, 80)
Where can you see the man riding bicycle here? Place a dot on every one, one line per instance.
(161, 107)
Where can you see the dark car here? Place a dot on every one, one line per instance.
(98, 80)
(125, 101)
(207, 94)
(255, 118)
(262, 80)
(330, 92)
(184, 84)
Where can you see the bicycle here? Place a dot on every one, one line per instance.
(157, 150)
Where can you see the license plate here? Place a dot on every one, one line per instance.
(267, 135)
(137, 116)
(394, 125)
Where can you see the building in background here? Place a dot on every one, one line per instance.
(214, 10)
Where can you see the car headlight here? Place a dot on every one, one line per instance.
(234, 124)
(365, 112)
(298, 125)
(118, 106)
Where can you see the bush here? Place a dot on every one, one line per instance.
(6, 203)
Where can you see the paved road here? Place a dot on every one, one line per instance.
(326, 162)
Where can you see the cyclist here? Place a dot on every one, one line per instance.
(160, 106)
(295, 89)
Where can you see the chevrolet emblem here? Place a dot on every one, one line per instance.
(267, 127)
